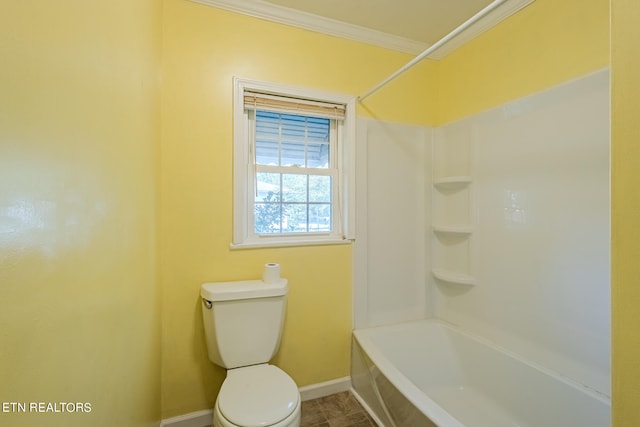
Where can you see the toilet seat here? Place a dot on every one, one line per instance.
(257, 396)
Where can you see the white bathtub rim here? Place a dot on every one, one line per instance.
(591, 392)
(417, 397)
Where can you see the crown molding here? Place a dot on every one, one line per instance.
(308, 21)
(320, 24)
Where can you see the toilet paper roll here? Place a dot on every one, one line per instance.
(271, 273)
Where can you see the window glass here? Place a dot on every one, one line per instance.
(287, 202)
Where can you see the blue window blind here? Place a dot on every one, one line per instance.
(292, 140)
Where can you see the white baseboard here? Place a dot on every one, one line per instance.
(326, 388)
(205, 417)
(195, 419)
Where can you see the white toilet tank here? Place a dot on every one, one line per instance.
(243, 321)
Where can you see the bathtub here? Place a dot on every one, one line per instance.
(429, 373)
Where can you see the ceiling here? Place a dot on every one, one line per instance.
(409, 26)
(424, 21)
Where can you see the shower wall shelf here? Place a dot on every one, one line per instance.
(452, 206)
(453, 229)
(452, 182)
(453, 277)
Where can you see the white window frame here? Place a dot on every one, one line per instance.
(244, 170)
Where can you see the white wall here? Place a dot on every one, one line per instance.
(539, 250)
(392, 221)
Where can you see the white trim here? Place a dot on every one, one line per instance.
(320, 24)
(194, 419)
(242, 238)
(312, 22)
(314, 391)
(279, 243)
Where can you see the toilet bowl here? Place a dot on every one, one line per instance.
(257, 396)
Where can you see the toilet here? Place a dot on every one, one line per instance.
(243, 323)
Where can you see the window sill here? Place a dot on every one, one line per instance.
(273, 243)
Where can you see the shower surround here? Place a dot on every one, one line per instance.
(498, 224)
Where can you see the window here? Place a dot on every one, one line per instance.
(292, 166)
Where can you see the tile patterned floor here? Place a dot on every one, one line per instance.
(336, 410)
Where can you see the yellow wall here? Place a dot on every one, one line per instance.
(625, 211)
(204, 48)
(79, 127)
(79, 137)
(547, 43)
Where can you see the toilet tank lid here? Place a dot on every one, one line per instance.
(244, 289)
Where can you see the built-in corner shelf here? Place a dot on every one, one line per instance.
(453, 277)
(452, 210)
(452, 182)
(453, 229)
